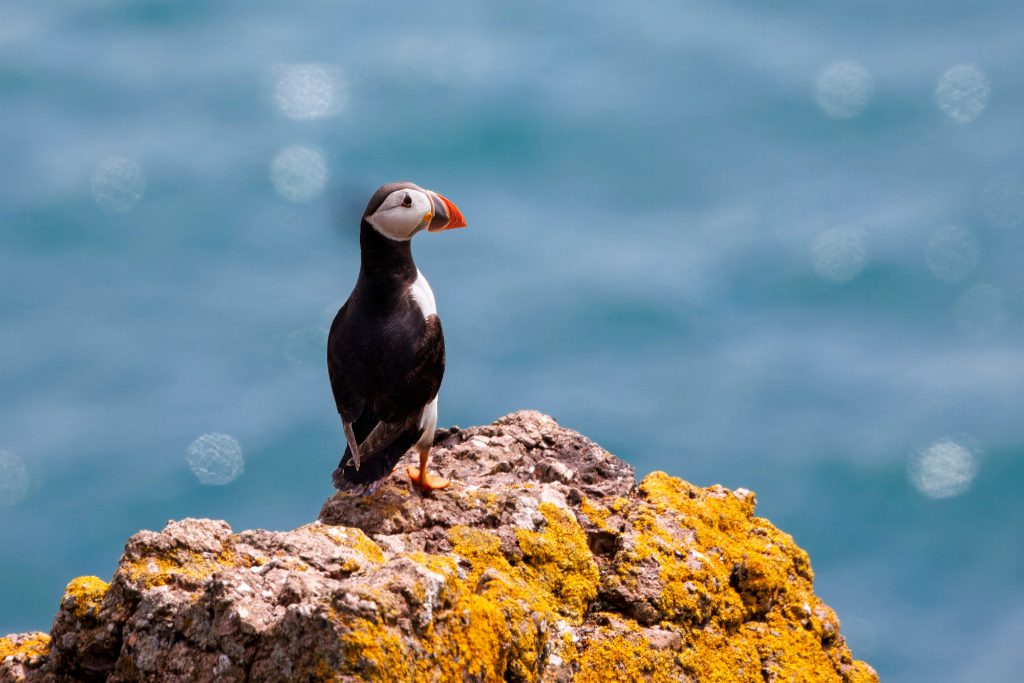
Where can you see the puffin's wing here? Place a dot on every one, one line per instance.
(403, 408)
(399, 424)
(350, 405)
(427, 369)
(383, 435)
(375, 469)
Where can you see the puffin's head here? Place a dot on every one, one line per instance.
(400, 210)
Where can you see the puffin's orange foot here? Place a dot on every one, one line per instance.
(427, 483)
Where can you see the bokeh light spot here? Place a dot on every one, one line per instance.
(844, 89)
(309, 91)
(962, 93)
(981, 311)
(299, 173)
(215, 459)
(952, 253)
(117, 184)
(13, 478)
(840, 254)
(943, 469)
(1002, 201)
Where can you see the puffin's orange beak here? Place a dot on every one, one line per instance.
(446, 214)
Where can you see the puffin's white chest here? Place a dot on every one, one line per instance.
(423, 295)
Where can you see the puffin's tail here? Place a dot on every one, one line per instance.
(373, 468)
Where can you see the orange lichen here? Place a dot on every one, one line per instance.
(469, 636)
(350, 537)
(322, 671)
(180, 565)
(373, 652)
(489, 626)
(736, 591)
(596, 513)
(714, 558)
(84, 595)
(158, 570)
(616, 659)
(769, 650)
(562, 560)
(741, 590)
(725, 596)
(27, 646)
(482, 498)
(491, 618)
(474, 639)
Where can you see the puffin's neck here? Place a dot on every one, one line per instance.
(386, 264)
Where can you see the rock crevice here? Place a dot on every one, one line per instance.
(545, 561)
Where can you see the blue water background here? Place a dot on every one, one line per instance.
(644, 183)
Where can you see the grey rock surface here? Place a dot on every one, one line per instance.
(544, 561)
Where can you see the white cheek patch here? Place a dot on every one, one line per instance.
(399, 222)
(423, 295)
(391, 224)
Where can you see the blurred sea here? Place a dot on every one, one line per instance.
(765, 245)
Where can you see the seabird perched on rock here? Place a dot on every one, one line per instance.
(385, 351)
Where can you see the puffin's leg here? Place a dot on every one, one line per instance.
(421, 477)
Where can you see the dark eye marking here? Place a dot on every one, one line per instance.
(407, 200)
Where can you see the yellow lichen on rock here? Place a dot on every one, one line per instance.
(374, 652)
(353, 538)
(481, 548)
(84, 595)
(716, 560)
(177, 565)
(489, 628)
(31, 645)
(596, 513)
(474, 640)
(562, 560)
(774, 649)
(363, 551)
(489, 615)
(739, 590)
(470, 636)
(544, 562)
(618, 658)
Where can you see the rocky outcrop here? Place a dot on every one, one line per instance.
(544, 561)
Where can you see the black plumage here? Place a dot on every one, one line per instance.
(385, 358)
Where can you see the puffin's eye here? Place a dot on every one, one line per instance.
(407, 200)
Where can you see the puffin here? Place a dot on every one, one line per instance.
(385, 349)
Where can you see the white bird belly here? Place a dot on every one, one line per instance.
(423, 295)
(428, 423)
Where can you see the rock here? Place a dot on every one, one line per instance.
(544, 561)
